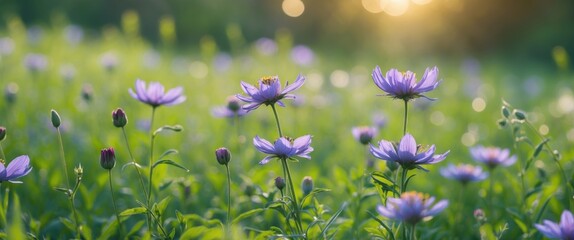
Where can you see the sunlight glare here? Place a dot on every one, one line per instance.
(395, 7)
(293, 8)
(373, 6)
(421, 2)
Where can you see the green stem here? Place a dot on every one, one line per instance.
(406, 117)
(2, 156)
(152, 138)
(115, 206)
(491, 193)
(72, 194)
(294, 197)
(228, 200)
(413, 232)
(403, 179)
(134, 162)
(63, 157)
(277, 120)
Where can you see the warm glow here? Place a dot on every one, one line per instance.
(478, 104)
(421, 2)
(373, 6)
(293, 8)
(395, 7)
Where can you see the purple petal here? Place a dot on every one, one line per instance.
(567, 221)
(284, 147)
(549, 229)
(407, 147)
(179, 100)
(172, 95)
(385, 211)
(248, 88)
(441, 205)
(266, 160)
(263, 145)
(141, 91)
(296, 85)
(18, 167)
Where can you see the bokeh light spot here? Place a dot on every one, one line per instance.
(198, 69)
(339, 78)
(478, 104)
(437, 118)
(570, 135)
(293, 8)
(468, 139)
(421, 2)
(314, 81)
(543, 129)
(395, 7)
(373, 6)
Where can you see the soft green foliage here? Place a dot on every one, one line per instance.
(338, 95)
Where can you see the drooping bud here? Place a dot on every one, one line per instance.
(2, 133)
(56, 120)
(502, 123)
(505, 112)
(307, 185)
(119, 118)
(520, 115)
(108, 158)
(87, 92)
(280, 183)
(233, 104)
(393, 166)
(223, 156)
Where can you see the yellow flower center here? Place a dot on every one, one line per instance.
(268, 80)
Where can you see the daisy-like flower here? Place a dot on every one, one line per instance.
(154, 94)
(18, 167)
(464, 173)
(404, 85)
(269, 92)
(284, 148)
(563, 230)
(407, 153)
(232, 109)
(411, 207)
(492, 156)
(364, 134)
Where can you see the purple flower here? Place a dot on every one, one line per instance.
(266, 46)
(284, 148)
(269, 92)
(411, 207)
(18, 167)
(231, 110)
(302, 55)
(404, 85)
(154, 94)
(35, 62)
(364, 134)
(464, 173)
(407, 153)
(492, 156)
(564, 230)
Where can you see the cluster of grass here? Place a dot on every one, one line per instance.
(84, 81)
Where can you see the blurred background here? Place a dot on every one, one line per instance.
(523, 30)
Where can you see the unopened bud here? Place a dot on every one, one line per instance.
(392, 165)
(280, 183)
(108, 158)
(223, 156)
(307, 185)
(87, 92)
(502, 123)
(79, 171)
(505, 112)
(56, 120)
(119, 118)
(2, 133)
(233, 104)
(520, 115)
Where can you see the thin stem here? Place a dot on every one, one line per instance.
(152, 138)
(2, 156)
(72, 193)
(134, 162)
(491, 193)
(228, 200)
(406, 117)
(277, 120)
(413, 232)
(63, 157)
(294, 197)
(115, 206)
(403, 179)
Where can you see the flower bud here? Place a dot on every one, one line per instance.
(223, 156)
(10, 92)
(87, 92)
(307, 185)
(233, 104)
(2, 133)
(108, 158)
(119, 118)
(393, 166)
(505, 112)
(56, 120)
(79, 171)
(280, 183)
(479, 215)
(502, 123)
(520, 115)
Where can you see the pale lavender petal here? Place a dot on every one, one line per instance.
(263, 145)
(379, 154)
(296, 85)
(18, 167)
(385, 212)
(2, 172)
(179, 100)
(248, 88)
(266, 160)
(549, 229)
(407, 147)
(172, 95)
(567, 220)
(141, 90)
(441, 205)
(283, 147)
(302, 142)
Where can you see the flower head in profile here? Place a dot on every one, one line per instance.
(18, 167)
(411, 207)
(154, 95)
(464, 173)
(404, 85)
(563, 230)
(407, 154)
(492, 156)
(284, 148)
(364, 134)
(268, 92)
(231, 110)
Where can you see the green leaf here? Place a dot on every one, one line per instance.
(175, 128)
(539, 147)
(168, 152)
(109, 230)
(129, 164)
(247, 214)
(193, 232)
(133, 211)
(539, 215)
(169, 162)
(68, 223)
(389, 230)
(66, 191)
(333, 218)
(312, 194)
(162, 205)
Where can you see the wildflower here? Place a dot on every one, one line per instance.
(10, 92)
(403, 85)
(232, 109)
(108, 158)
(266, 46)
(302, 55)
(364, 134)
(280, 183)
(307, 185)
(35, 62)
(223, 156)
(18, 167)
(464, 173)
(109, 61)
(407, 153)
(492, 156)
(284, 148)
(119, 118)
(411, 207)
(6, 46)
(87, 92)
(563, 230)
(269, 92)
(154, 94)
